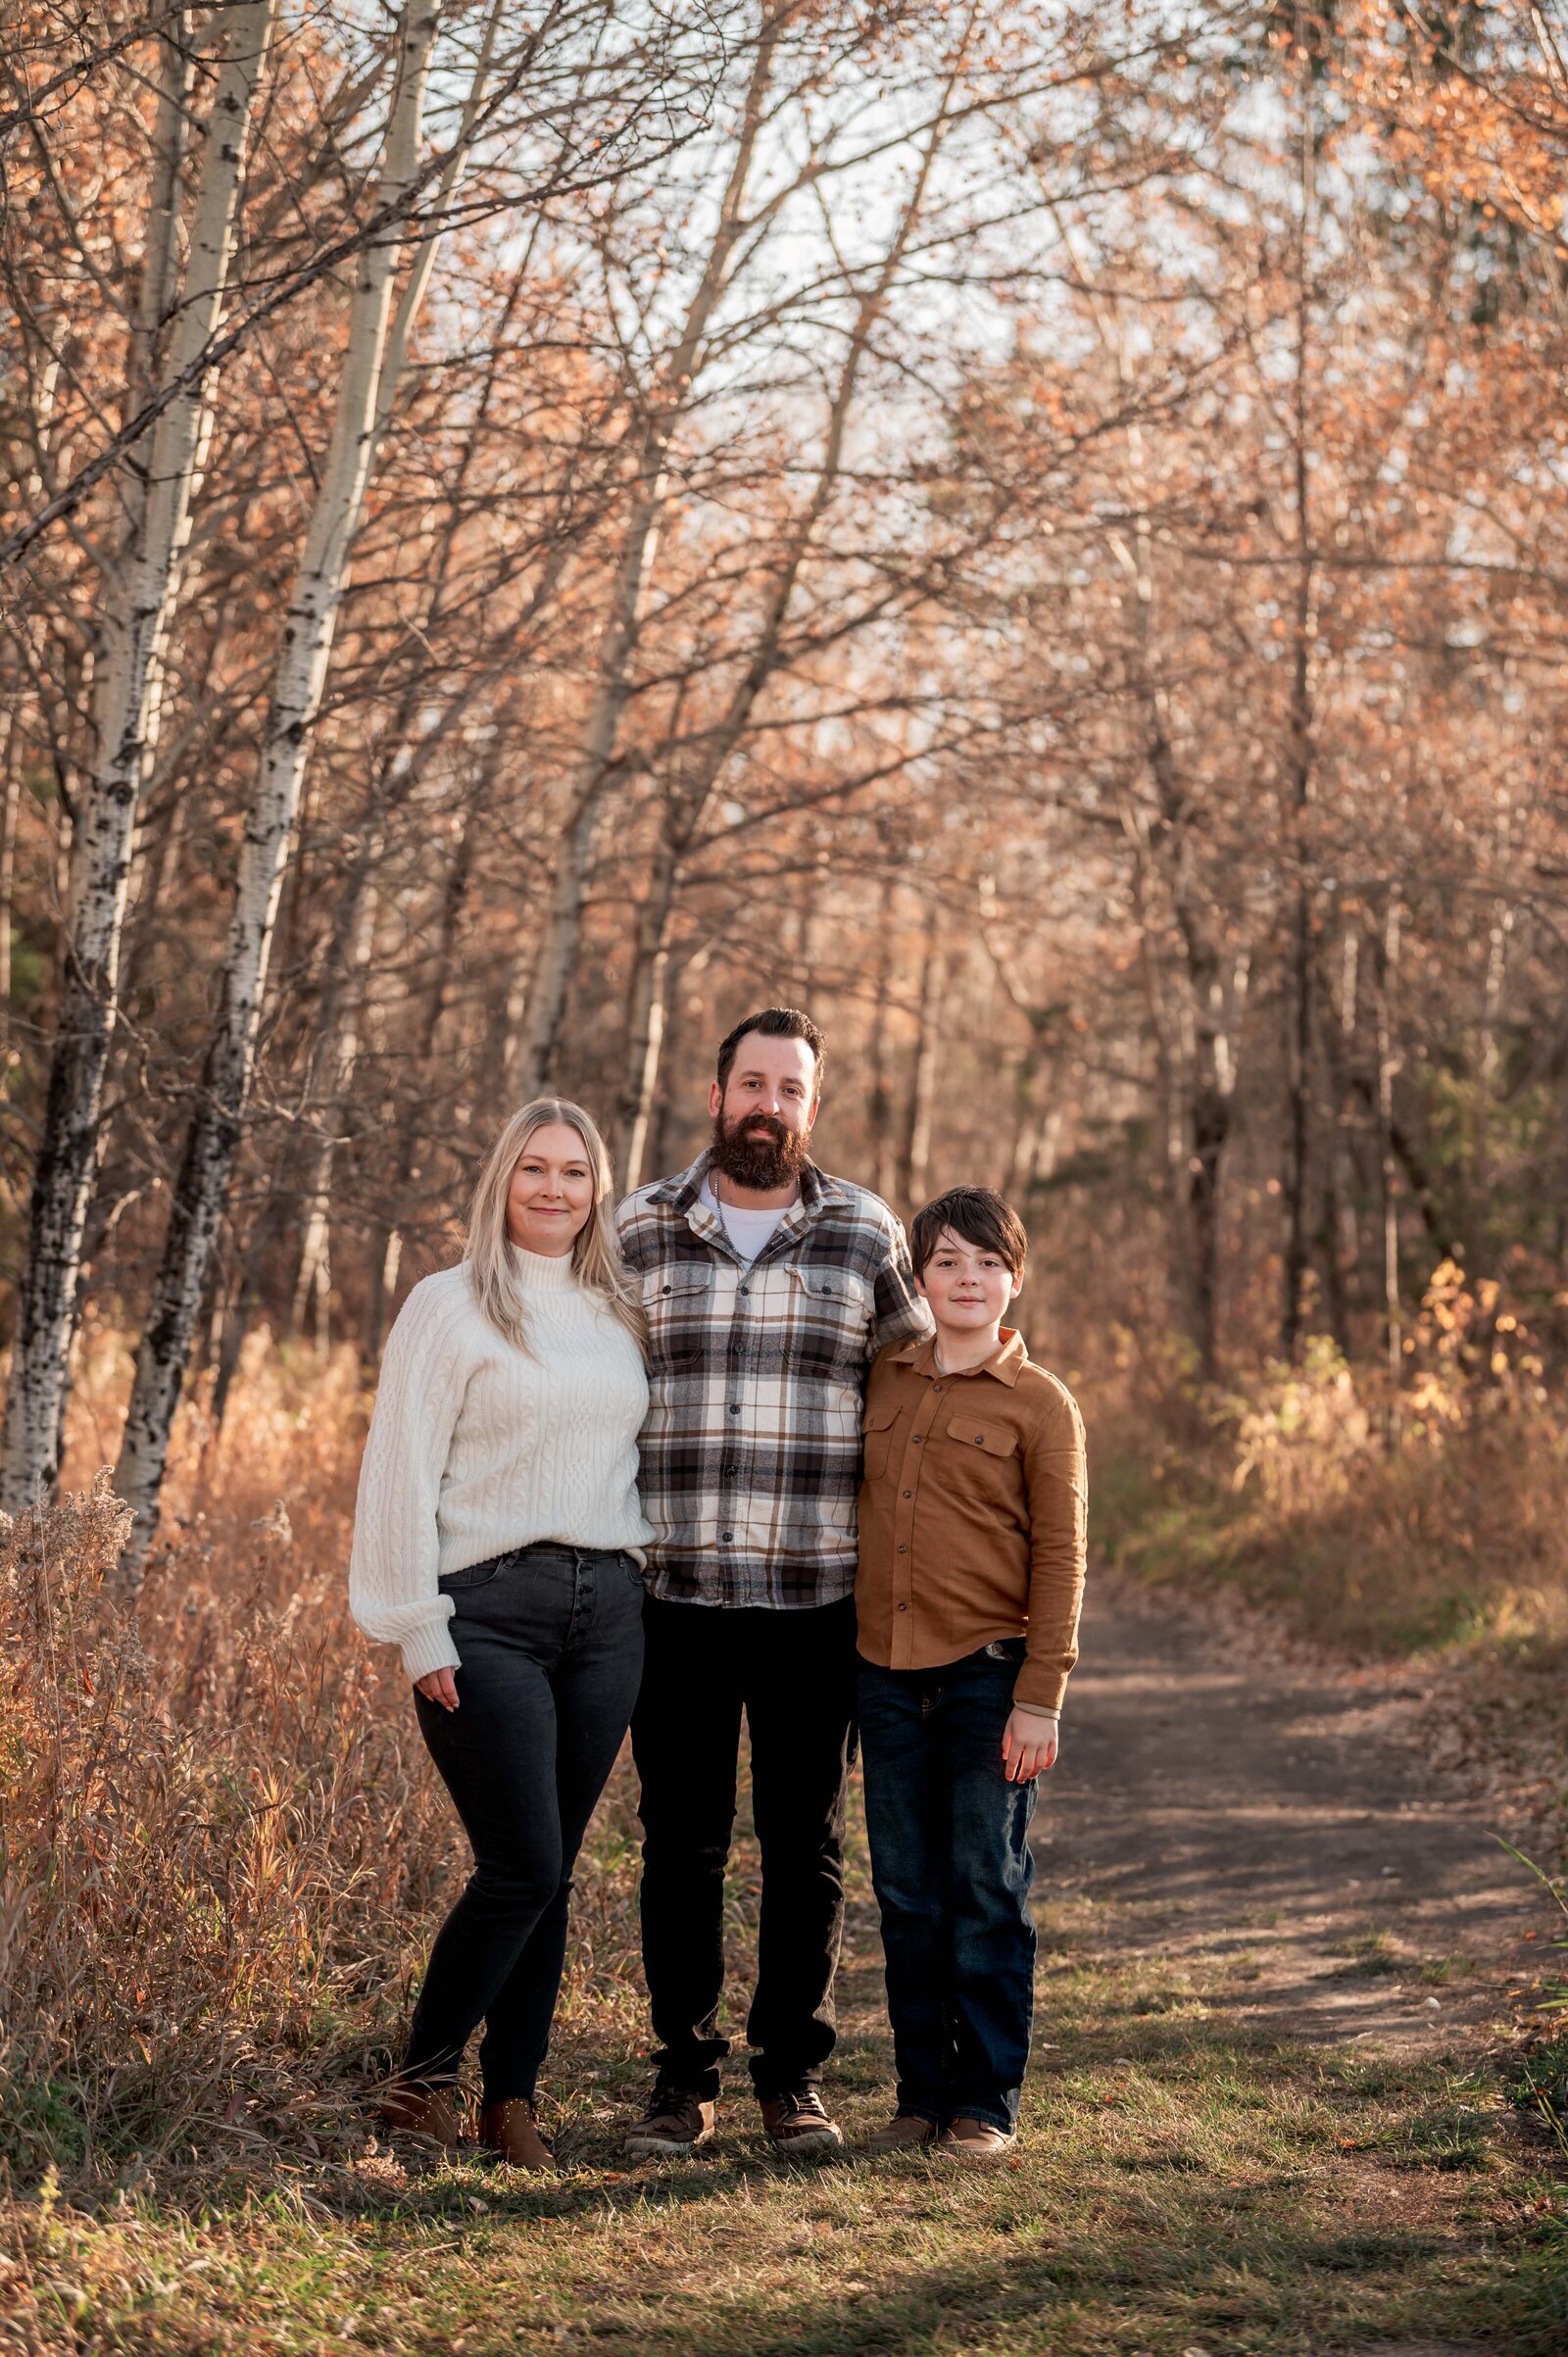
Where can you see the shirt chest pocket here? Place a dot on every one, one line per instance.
(878, 1430)
(981, 1456)
(679, 1304)
(829, 1320)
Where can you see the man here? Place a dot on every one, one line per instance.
(769, 1288)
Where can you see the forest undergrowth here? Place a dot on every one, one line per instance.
(223, 1855)
(1422, 1526)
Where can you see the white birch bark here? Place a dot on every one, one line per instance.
(309, 627)
(140, 598)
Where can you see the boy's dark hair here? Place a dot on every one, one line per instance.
(774, 1023)
(980, 1216)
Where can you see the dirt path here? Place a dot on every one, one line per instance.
(1212, 1803)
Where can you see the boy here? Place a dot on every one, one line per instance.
(971, 1573)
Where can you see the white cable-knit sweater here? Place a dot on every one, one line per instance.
(477, 1448)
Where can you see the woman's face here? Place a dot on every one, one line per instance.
(552, 1191)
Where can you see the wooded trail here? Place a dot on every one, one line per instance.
(1215, 1801)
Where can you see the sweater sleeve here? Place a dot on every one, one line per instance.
(396, 1556)
(1057, 1483)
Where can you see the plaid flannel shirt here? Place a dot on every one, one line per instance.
(751, 1454)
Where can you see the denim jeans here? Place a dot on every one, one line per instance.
(952, 1867)
(550, 1641)
(793, 1673)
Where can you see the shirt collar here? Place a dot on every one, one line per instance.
(683, 1193)
(1007, 1363)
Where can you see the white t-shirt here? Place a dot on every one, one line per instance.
(747, 1231)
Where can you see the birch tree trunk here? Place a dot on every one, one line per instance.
(140, 598)
(307, 645)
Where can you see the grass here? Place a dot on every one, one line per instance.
(222, 1857)
(1177, 2186)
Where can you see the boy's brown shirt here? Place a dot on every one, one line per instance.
(973, 1509)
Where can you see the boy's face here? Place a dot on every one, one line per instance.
(968, 1286)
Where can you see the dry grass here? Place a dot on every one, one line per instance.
(223, 1856)
(224, 1851)
(1428, 1517)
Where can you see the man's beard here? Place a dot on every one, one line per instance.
(761, 1162)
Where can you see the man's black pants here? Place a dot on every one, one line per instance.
(793, 1673)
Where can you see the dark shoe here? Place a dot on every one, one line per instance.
(674, 2124)
(797, 2123)
(511, 2131)
(412, 2109)
(977, 2140)
(896, 2135)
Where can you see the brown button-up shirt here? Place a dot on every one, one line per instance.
(972, 1515)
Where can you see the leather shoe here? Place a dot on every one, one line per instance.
(674, 2124)
(897, 2134)
(796, 2122)
(413, 2109)
(977, 2140)
(511, 2132)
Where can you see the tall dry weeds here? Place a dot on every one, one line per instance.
(222, 1851)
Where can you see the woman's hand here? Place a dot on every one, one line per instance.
(1028, 1746)
(440, 1685)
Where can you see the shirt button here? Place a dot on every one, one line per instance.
(908, 1493)
(903, 1550)
(735, 1411)
(745, 1290)
(918, 1438)
(726, 1536)
(904, 1607)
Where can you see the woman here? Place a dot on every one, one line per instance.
(497, 1541)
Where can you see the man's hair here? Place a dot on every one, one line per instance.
(774, 1023)
(980, 1216)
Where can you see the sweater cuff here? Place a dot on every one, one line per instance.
(428, 1649)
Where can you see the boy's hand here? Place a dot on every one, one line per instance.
(1029, 1745)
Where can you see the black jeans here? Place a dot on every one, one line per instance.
(952, 1866)
(793, 1673)
(549, 1639)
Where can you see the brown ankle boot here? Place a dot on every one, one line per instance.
(413, 2109)
(511, 2131)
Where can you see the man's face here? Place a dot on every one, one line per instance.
(762, 1117)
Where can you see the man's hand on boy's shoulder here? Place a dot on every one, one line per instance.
(1030, 1743)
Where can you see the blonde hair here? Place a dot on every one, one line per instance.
(594, 1252)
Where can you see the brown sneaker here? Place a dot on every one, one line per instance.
(674, 2124)
(977, 2140)
(906, 2128)
(797, 2123)
(511, 2131)
(412, 2109)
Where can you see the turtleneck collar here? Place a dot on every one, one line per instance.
(544, 1272)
